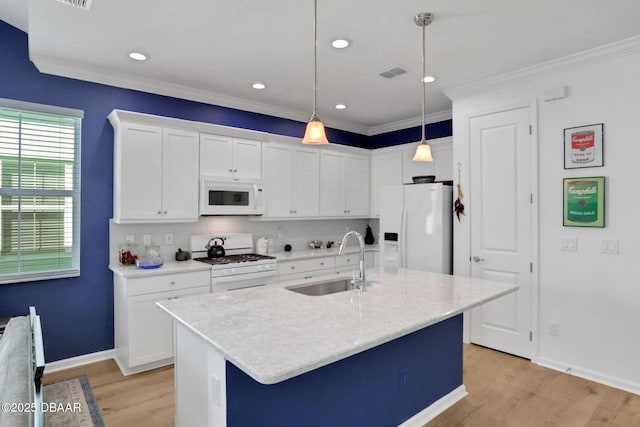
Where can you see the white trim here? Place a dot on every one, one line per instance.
(410, 123)
(436, 408)
(41, 108)
(582, 59)
(74, 362)
(618, 383)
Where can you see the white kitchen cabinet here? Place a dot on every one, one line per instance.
(143, 334)
(228, 157)
(344, 184)
(346, 264)
(306, 268)
(292, 178)
(155, 174)
(386, 169)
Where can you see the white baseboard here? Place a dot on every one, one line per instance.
(436, 408)
(618, 383)
(73, 362)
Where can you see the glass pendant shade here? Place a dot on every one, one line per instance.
(423, 153)
(315, 133)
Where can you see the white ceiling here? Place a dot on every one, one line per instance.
(213, 50)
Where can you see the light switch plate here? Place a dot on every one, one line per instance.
(168, 239)
(570, 244)
(146, 239)
(609, 247)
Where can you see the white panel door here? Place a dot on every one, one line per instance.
(140, 173)
(216, 155)
(180, 175)
(277, 162)
(500, 202)
(247, 158)
(332, 186)
(306, 182)
(357, 185)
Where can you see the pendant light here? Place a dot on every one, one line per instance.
(315, 133)
(423, 151)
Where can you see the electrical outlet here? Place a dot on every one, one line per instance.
(130, 238)
(554, 329)
(168, 239)
(146, 239)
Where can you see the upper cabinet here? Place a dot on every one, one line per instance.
(229, 157)
(344, 184)
(155, 173)
(386, 169)
(292, 178)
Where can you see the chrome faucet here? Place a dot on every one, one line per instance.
(360, 282)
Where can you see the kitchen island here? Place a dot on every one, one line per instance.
(270, 356)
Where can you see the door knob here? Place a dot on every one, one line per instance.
(477, 259)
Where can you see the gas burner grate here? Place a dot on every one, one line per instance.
(234, 259)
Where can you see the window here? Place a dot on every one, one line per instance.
(39, 192)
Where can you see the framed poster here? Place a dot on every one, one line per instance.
(583, 146)
(583, 204)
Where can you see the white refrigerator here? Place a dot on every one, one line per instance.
(416, 230)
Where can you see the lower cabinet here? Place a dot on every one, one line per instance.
(307, 269)
(143, 333)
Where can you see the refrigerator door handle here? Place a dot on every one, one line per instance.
(403, 238)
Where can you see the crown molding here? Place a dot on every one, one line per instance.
(410, 123)
(567, 63)
(49, 65)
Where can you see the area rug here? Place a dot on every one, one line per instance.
(71, 403)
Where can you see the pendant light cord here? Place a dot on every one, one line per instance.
(315, 56)
(424, 84)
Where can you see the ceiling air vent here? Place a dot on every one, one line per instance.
(82, 4)
(393, 72)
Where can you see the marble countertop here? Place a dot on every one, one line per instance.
(274, 334)
(166, 268)
(309, 253)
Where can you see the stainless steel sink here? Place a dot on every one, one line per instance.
(322, 288)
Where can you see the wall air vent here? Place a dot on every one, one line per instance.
(393, 72)
(81, 4)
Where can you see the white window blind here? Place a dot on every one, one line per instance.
(39, 194)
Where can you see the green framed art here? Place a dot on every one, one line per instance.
(583, 204)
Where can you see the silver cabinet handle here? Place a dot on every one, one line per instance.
(293, 267)
(477, 259)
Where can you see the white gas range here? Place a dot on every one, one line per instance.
(239, 267)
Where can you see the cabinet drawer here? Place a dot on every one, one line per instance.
(301, 266)
(304, 276)
(167, 282)
(347, 260)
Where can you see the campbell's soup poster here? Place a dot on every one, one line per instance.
(584, 202)
(583, 146)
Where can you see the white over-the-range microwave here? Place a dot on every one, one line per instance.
(226, 196)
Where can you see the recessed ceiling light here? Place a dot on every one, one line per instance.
(258, 85)
(340, 106)
(429, 79)
(340, 43)
(138, 56)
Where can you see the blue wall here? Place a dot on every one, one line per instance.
(77, 313)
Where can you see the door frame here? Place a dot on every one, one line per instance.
(463, 157)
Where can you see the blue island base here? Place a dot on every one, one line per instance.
(383, 386)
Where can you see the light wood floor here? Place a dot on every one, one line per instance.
(503, 391)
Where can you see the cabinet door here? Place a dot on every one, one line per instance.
(443, 161)
(357, 185)
(411, 168)
(247, 158)
(150, 329)
(277, 161)
(180, 175)
(386, 169)
(216, 155)
(332, 185)
(306, 182)
(138, 173)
